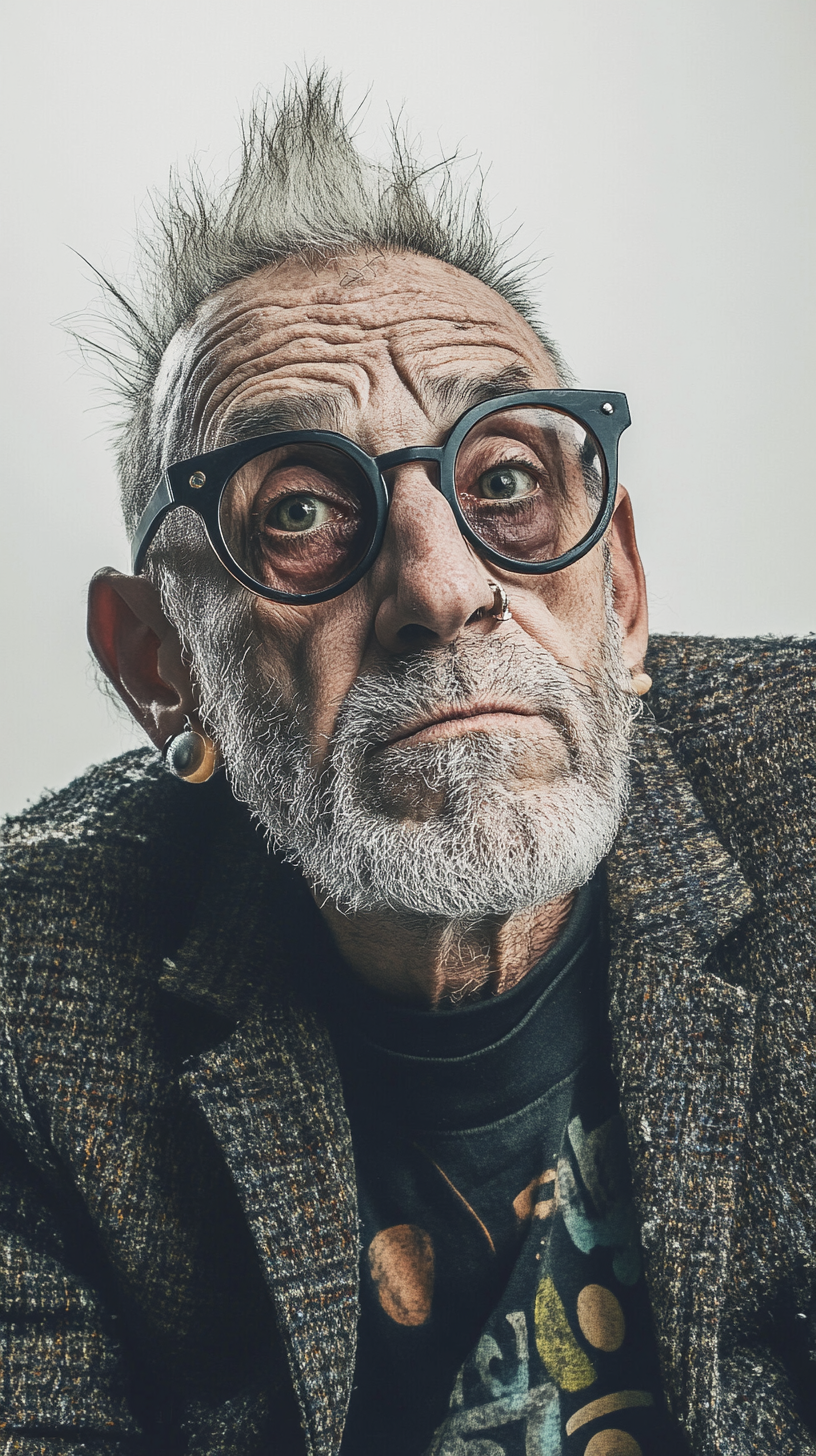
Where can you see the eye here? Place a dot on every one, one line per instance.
(299, 513)
(505, 483)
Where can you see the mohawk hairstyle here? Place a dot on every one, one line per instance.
(302, 189)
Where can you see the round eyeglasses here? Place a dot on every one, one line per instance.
(300, 516)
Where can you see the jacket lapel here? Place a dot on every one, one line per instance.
(683, 1041)
(273, 1098)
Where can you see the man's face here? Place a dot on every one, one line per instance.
(403, 698)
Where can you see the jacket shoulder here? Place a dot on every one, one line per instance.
(113, 801)
(704, 682)
(130, 804)
(740, 716)
(118, 847)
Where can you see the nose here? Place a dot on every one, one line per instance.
(430, 584)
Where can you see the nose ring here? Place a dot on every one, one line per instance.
(501, 607)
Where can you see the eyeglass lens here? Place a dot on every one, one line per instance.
(299, 519)
(529, 481)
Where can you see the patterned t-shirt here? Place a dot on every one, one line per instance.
(504, 1311)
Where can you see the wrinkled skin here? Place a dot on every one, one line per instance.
(385, 342)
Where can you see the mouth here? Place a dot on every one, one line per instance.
(449, 722)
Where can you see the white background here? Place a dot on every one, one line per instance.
(658, 155)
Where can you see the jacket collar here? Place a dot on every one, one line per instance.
(682, 1046)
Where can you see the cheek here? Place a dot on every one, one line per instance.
(565, 612)
(313, 655)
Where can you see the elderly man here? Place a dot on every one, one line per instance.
(432, 1070)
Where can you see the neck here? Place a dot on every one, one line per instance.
(434, 963)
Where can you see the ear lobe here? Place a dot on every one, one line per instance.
(629, 583)
(139, 652)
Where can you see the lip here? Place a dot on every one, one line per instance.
(449, 721)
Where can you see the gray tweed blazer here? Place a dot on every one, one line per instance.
(178, 1227)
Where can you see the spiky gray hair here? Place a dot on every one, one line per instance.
(302, 189)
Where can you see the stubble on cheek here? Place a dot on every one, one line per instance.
(309, 659)
(281, 673)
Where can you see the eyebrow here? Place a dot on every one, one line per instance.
(281, 415)
(457, 393)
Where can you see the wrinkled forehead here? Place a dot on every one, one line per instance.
(295, 346)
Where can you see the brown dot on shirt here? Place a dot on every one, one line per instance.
(600, 1317)
(536, 1198)
(613, 1443)
(401, 1261)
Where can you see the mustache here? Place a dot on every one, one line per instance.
(382, 706)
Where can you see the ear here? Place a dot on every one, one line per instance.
(139, 652)
(629, 582)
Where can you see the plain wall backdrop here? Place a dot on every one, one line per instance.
(659, 158)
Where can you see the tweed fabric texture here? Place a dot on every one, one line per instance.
(743, 722)
(178, 1218)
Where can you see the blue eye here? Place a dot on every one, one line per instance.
(505, 483)
(299, 513)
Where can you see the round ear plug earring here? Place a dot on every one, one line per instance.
(191, 755)
(641, 682)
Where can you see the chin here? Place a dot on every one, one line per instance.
(460, 834)
(423, 781)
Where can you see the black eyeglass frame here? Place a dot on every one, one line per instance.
(604, 415)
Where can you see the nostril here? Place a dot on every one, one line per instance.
(413, 634)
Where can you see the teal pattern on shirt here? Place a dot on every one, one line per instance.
(566, 1363)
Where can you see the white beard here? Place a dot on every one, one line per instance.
(439, 829)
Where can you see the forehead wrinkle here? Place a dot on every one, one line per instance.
(213, 390)
(401, 299)
(350, 321)
(219, 327)
(266, 330)
(403, 280)
(275, 334)
(302, 323)
(222, 328)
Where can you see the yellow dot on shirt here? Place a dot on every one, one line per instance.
(561, 1355)
(601, 1317)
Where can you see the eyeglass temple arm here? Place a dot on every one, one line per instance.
(161, 501)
